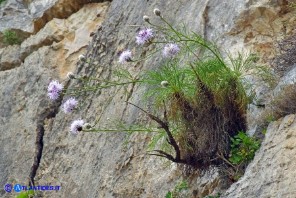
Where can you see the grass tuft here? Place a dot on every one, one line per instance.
(11, 38)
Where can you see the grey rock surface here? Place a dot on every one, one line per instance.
(22, 20)
(288, 79)
(103, 164)
(23, 98)
(10, 57)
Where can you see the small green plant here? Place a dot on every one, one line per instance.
(2, 1)
(243, 148)
(213, 196)
(26, 194)
(10, 37)
(270, 118)
(264, 131)
(176, 192)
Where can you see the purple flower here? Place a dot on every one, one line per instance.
(125, 56)
(170, 50)
(76, 126)
(144, 36)
(69, 105)
(54, 89)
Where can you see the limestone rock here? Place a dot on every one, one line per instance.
(105, 164)
(22, 20)
(10, 57)
(69, 36)
(263, 23)
(49, 54)
(288, 79)
(33, 15)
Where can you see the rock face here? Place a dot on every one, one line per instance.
(49, 54)
(272, 172)
(105, 164)
(33, 15)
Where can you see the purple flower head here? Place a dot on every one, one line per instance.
(54, 89)
(125, 56)
(69, 105)
(76, 126)
(144, 36)
(170, 50)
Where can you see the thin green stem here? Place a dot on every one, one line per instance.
(119, 130)
(140, 59)
(188, 39)
(171, 27)
(158, 27)
(94, 88)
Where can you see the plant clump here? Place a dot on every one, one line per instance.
(11, 38)
(198, 95)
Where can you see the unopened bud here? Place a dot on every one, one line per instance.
(157, 12)
(146, 18)
(70, 75)
(82, 57)
(87, 126)
(164, 84)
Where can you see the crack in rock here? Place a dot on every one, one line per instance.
(47, 113)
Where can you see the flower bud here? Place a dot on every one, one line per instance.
(70, 75)
(87, 126)
(146, 18)
(157, 12)
(82, 57)
(164, 84)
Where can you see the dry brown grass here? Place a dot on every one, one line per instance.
(208, 125)
(285, 103)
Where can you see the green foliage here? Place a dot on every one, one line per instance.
(270, 118)
(26, 194)
(180, 80)
(214, 196)
(10, 37)
(2, 1)
(209, 89)
(264, 131)
(176, 192)
(243, 148)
